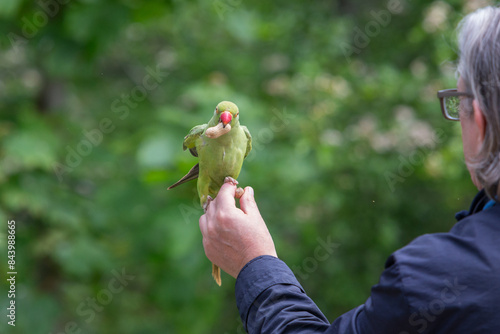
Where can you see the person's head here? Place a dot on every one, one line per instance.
(479, 75)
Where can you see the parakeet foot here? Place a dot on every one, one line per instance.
(239, 191)
(205, 205)
(229, 179)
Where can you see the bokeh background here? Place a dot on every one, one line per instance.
(350, 149)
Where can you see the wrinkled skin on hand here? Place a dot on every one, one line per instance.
(233, 236)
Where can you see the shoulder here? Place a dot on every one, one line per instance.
(481, 223)
(471, 243)
(455, 269)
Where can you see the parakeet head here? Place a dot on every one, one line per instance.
(227, 113)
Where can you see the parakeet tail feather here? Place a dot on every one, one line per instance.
(216, 274)
(191, 175)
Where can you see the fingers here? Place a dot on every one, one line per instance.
(225, 197)
(239, 192)
(247, 202)
(203, 224)
(224, 202)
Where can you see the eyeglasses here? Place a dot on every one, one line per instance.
(450, 103)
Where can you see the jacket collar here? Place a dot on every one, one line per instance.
(477, 205)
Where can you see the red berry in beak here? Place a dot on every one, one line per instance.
(226, 117)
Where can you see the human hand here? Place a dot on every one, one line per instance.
(233, 236)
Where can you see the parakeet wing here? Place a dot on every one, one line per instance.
(190, 142)
(190, 139)
(249, 140)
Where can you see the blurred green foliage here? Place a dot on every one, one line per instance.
(96, 97)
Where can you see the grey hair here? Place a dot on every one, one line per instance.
(479, 68)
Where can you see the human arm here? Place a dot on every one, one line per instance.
(271, 300)
(269, 297)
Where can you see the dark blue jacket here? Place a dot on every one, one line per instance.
(439, 283)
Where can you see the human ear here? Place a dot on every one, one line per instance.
(479, 120)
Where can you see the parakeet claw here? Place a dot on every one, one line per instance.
(239, 191)
(205, 205)
(229, 179)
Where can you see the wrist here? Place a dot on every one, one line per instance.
(255, 259)
(249, 259)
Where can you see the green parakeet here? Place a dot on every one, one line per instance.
(221, 146)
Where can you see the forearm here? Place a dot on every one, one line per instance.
(271, 300)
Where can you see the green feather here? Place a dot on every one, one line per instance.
(218, 157)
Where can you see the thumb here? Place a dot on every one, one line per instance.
(247, 202)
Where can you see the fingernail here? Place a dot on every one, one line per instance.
(250, 190)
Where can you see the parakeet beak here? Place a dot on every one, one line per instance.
(225, 118)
